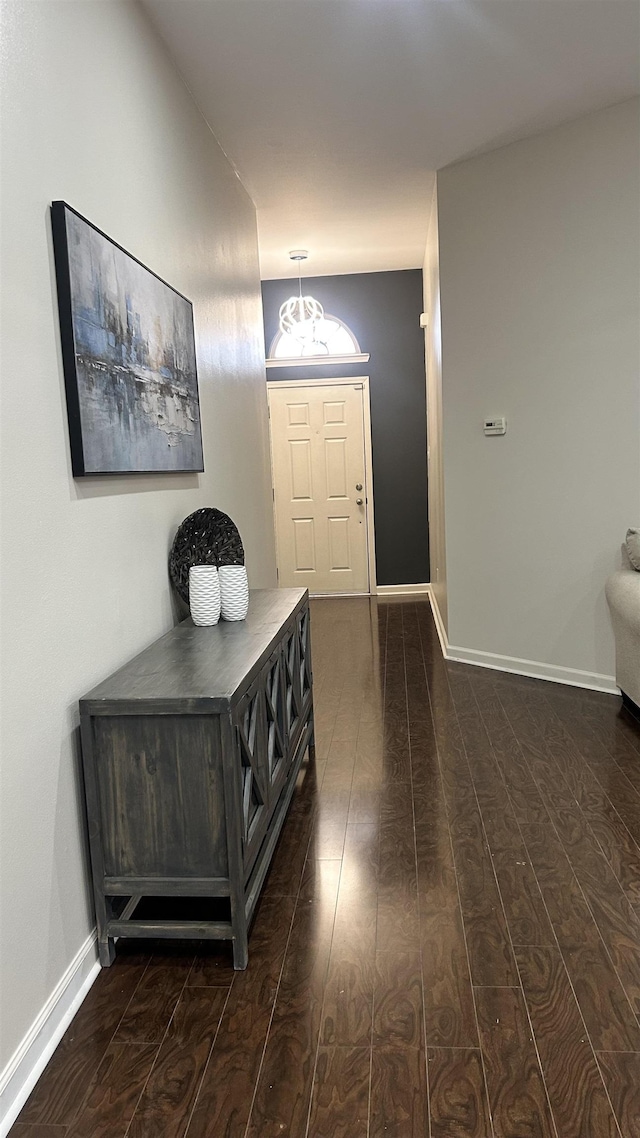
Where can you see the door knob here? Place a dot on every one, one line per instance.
(358, 501)
(358, 486)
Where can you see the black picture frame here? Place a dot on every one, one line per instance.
(128, 355)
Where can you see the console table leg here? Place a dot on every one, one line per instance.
(240, 952)
(233, 806)
(106, 951)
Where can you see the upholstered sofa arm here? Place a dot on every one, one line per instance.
(623, 594)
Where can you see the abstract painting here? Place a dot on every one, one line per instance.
(128, 352)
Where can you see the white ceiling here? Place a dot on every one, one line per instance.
(336, 113)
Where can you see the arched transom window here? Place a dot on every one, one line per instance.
(333, 338)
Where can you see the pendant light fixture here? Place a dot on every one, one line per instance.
(300, 315)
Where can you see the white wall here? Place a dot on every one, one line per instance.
(540, 278)
(433, 363)
(95, 114)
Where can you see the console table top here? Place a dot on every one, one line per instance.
(204, 666)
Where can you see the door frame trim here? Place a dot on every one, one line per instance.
(343, 381)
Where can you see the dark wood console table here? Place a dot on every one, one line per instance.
(191, 753)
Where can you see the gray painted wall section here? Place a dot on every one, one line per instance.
(540, 276)
(383, 311)
(95, 113)
(433, 351)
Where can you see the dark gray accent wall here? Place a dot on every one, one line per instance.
(383, 311)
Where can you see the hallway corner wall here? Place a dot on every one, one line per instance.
(540, 289)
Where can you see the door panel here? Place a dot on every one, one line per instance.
(335, 455)
(334, 412)
(298, 414)
(304, 552)
(250, 729)
(301, 477)
(276, 722)
(318, 460)
(339, 553)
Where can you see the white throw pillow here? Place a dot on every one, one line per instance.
(632, 543)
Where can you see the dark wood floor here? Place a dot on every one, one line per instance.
(448, 943)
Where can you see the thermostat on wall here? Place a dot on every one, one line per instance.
(495, 426)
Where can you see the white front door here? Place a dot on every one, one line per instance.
(319, 483)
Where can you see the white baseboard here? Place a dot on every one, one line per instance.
(439, 623)
(403, 590)
(339, 596)
(537, 670)
(34, 1052)
(421, 589)
(534, 668)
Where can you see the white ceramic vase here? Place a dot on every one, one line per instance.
(204, 594)
(234, 592)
